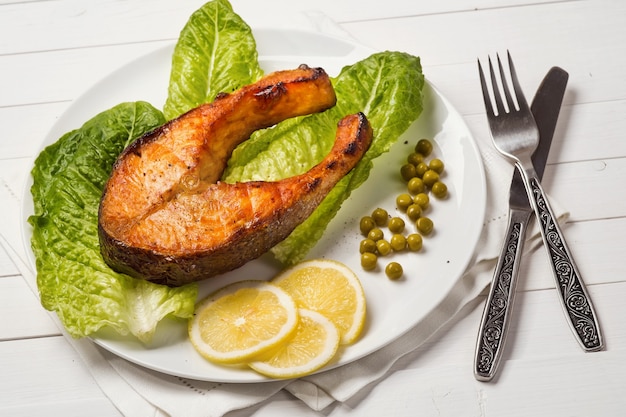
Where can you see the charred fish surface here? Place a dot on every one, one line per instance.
(164, 215)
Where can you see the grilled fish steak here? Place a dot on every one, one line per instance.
(164, 215)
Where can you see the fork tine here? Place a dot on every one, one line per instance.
(496, 92)
(521, 100)
(505, 86)
(483, 85)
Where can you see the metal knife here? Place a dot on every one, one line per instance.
(496, 316)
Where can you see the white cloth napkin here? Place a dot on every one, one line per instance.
(137, 391)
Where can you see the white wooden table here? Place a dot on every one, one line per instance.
(51, 51)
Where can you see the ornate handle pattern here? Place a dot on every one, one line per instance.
(494, 324)
(574, 297)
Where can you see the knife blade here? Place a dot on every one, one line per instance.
(494, 325)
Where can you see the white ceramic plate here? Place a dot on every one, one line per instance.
(393, 306)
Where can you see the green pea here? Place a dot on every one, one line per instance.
(424, 147)
(436, 165)
(422, 200)
(424, 225)
(396, 225)
(415, 158)
(430, 177)
(383, 247)
(367, 245)
(380, 217)
(408, 171)
(421, 169)
(366, 224)
(375, 234)
(368, 261)
(439, 189)
(398, 242)
(414, 242)
(394, 270)
(414, 211)
(403, 201)
(416, 185)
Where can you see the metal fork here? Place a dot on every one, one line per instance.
(515, 135)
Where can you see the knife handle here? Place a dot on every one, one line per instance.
(496, 315)
(575, 301)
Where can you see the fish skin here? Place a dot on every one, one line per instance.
(165, 216)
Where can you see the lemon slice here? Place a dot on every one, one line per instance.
(329, 288)
(242, 320)
(312, 346)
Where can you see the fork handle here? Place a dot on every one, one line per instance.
(494, 325)
(574, 298)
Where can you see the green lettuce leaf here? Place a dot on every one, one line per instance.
(386, 86)
(215, 53)
(72, 277)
